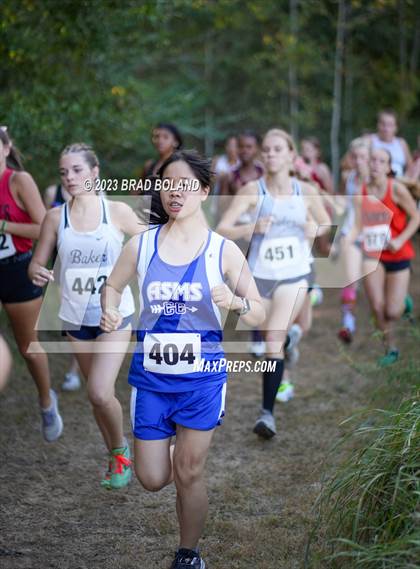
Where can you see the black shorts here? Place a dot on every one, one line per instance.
(311, 279)
(82, 332)
(394, 266)
(267, 287)
(15, 285)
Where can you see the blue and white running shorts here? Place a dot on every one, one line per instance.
(155, 415)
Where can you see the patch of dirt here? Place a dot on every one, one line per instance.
(55, 515)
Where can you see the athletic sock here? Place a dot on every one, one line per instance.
(348, 302)
(349, 321)
(257, 336)
(271, 383)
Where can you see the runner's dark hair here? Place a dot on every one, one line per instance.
(173, 130)
(152, 212)
(14, 159)
(250, 134)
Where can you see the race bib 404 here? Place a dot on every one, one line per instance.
(172, 353)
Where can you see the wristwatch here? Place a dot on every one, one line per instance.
(246, 307)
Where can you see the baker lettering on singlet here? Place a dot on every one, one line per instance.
(77, 257)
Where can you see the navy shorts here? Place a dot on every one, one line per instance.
(15, 285)
(394, 266)
(155, 415)
(90, 332)
(267, 288)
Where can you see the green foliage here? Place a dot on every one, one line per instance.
(106, 71)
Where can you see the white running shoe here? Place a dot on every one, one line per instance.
(257, 349)
(71, 382)
(286, 392)
(52, 423)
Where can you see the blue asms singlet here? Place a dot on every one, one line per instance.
(180, 326)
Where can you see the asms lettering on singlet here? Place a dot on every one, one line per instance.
(167, 290)
(78, 258)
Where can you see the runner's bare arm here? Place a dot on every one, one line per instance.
(124, 217)
(241, 285)
(404, 199)
(122, 273)
(37, 271)
(316, 210)
(357, 226)
(25, 190)
(407, 153)
(245, 199)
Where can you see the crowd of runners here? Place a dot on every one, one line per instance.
(251, 251)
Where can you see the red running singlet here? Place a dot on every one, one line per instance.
(382, 220)
(10, 211)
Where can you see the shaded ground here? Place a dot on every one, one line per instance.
(53, 513)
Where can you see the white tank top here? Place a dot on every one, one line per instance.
(283, 252)
(86, 260)
(395, 149)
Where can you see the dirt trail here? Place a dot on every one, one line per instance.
(53, 513)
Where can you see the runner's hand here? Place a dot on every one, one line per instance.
(263, 224)
(222, 296)
(111, 319)
(42, 276)
(394, 245)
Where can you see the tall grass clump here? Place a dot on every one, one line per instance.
(370, 508)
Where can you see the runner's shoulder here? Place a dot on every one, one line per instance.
(399, 190)
(309, 189)
(52, 217)
(231, 251)
(250, 189)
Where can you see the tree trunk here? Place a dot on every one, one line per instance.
(337, 94)
(208, 113)
(293, 87)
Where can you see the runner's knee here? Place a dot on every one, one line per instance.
(99, 398)
(188, 469)
(151, 481)
(393, 312)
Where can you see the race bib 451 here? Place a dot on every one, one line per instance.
(280, 253)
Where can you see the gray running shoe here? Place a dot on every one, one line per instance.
(265, 426)
(52, 423)
(291, 352)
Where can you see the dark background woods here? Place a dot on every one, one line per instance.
(104, 71)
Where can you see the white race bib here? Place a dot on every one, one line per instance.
(7, 247)
(376, 237)
(172, 353)
(83, 282)
(280, 253)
